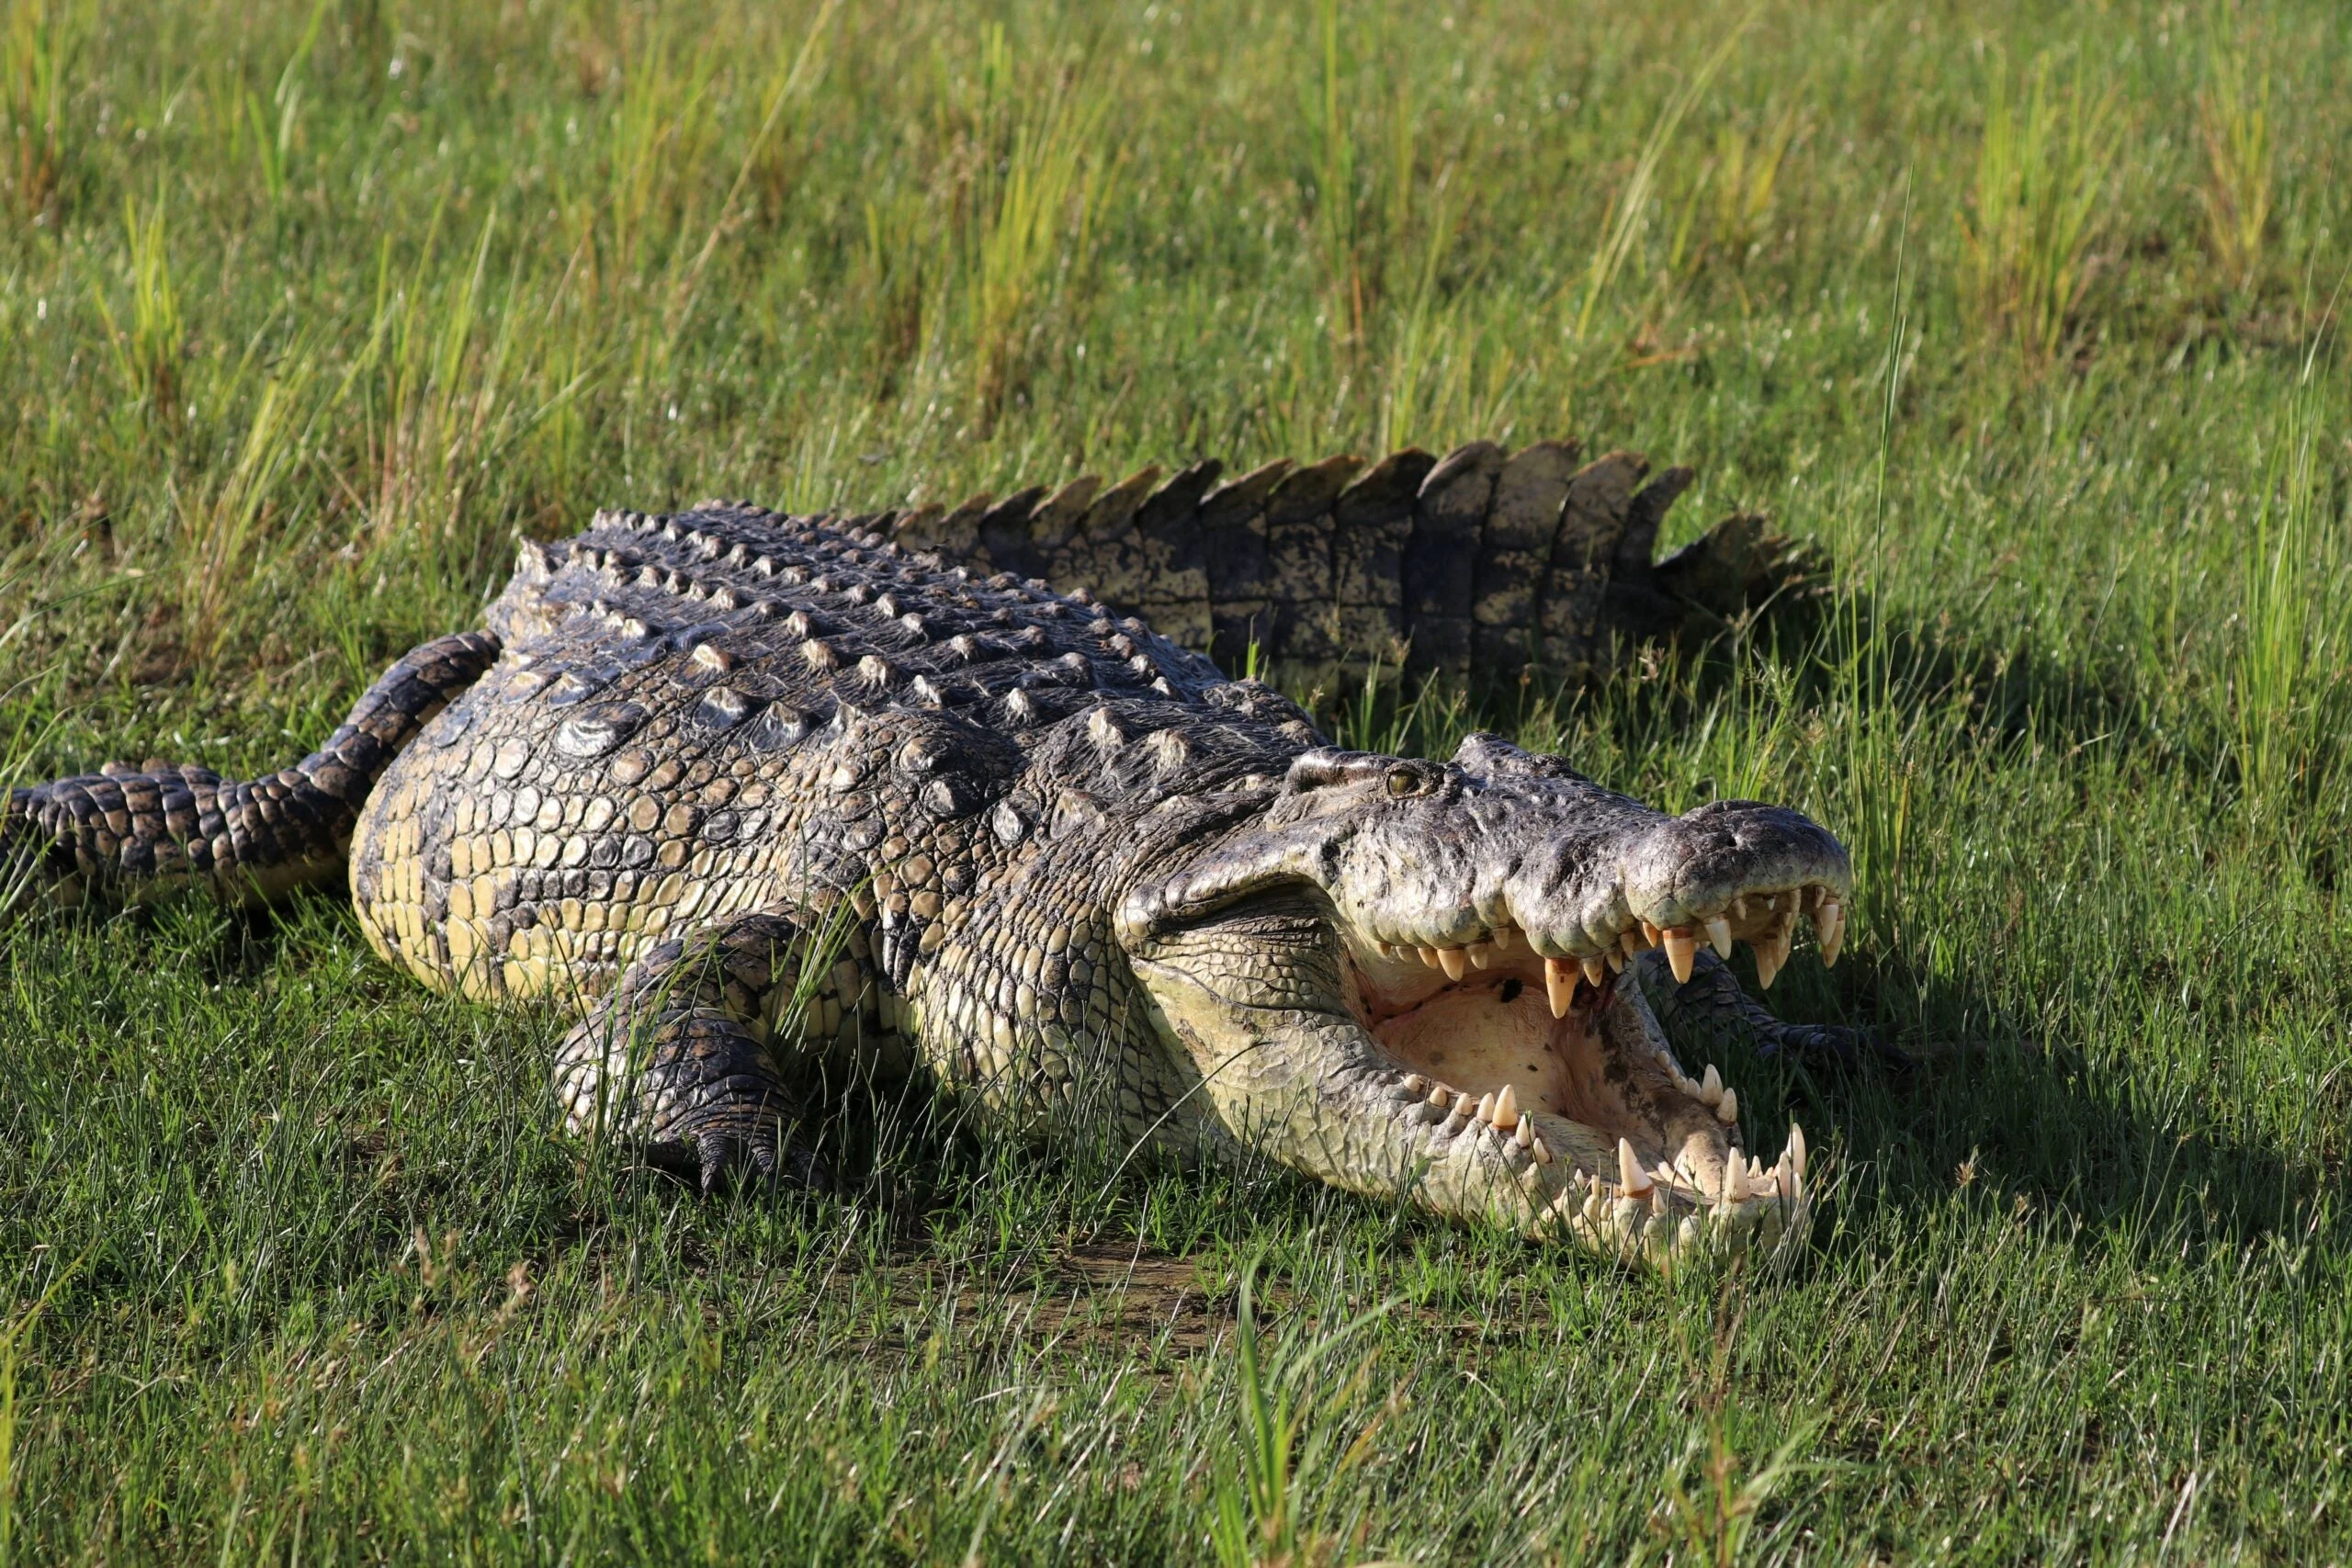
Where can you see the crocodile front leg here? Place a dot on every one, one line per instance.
(676, 1057)
(128, 833)
(1709, 1012)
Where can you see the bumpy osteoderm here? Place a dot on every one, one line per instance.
(744, 790)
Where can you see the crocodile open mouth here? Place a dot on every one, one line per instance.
(1491, 1033)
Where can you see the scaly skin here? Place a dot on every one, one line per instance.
(705, 777)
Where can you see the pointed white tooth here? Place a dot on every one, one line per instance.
(1560, 984)
(1428, 957)
(1727, 1109)
(1740, 908)
(1829, 926)
(1595, 972)
(1630, 1177)
(1682, 952)
(1796, 1148)
(1770, 956)
(1506, 1110)
(1734, 1182)
(1651, 935)
(1537, 1148)
(1525, 1136)
(1480, 955)
(1415, 1084)
(1711, 1086)
(1450, 959)
(1441, 1096)
(1629, 942)
(1484, 1109)
(1719, 936)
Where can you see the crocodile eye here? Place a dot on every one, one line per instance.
(1406, 782)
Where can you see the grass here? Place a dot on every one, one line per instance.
(2027, 313)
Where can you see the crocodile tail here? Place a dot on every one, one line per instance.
(125, 833)
(1483, 559)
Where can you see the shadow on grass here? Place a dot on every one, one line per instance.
(1989, 1104)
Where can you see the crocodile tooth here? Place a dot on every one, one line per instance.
(1727, 1109)
(1595, 971)
(1560, 982)
(1428, 957)
(1616, 962)
(1829, 924)
(1542, 1151)
(1734, 1182)
(1681, 951)
(1740, 908)
(1652, 935)
(1450, 959)
(1484, 1109)
(1525, 1137)
(1769, 958)
(1710, 1086)
(1719, 936)
(1796, 1148)
(1480, 955)
(1415, 1084)
(1629, 941)
(1630, 1177)
(1441, 1096)
(1505, 1114)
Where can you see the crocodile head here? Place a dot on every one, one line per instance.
(1415, 977)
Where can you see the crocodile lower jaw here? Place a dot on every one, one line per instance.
(1505, 1044)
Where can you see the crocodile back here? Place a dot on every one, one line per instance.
(725, 710)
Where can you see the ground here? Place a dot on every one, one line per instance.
(2026, 314)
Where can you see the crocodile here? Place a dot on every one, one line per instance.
(747, 793)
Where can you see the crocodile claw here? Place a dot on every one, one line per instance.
(1848, 1046)
(777, 1159)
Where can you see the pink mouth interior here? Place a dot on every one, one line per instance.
(1494, 1027)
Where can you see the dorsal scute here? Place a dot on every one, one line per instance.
(744, 610)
